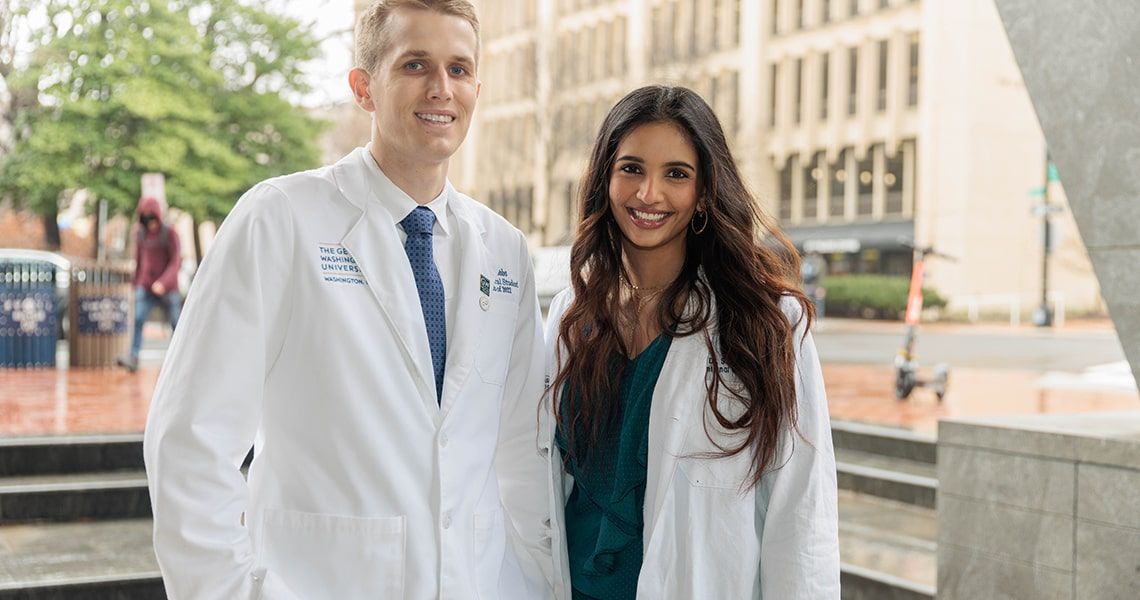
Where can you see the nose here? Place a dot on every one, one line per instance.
(648, 191)
(439, 85)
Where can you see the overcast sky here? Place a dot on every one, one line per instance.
(333, 21)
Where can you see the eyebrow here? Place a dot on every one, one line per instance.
(464, 60)
(672, 163)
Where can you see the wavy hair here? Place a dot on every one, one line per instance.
(740, 259)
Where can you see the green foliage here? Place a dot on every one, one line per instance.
(193, 89)
(874, 296)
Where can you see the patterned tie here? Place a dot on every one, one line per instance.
(418, 226)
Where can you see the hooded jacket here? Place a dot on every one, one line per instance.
(157, 253)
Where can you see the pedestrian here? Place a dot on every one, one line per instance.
(691, 435)
(158, 256)
(378, 333)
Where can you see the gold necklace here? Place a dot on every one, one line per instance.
(638, 301)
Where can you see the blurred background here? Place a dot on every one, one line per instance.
(893, 140)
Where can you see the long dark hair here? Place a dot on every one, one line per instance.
(740, 259)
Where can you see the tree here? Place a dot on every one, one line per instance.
(191, 89)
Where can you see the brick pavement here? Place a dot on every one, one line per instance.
(70, 401)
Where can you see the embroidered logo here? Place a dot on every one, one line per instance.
(503, 284)
(338, 265)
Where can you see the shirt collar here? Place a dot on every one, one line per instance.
(398, 203)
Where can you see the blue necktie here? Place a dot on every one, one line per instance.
(418, 226)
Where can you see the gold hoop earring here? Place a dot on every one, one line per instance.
(704, 222)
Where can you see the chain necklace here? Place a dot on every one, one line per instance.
(640, 295)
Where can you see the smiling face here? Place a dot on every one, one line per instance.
(653, 188)
(424, 90)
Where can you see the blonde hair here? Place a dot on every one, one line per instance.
(371, 28)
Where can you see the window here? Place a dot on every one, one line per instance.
(824, 75)
(893, 183)
(786, 190)
(852, 80)
(824, 11)
(852, 8)
(864, 201)
(775, 17)
(798, 90)
(812, 178)
(799, 14)
(882, 95)
(772, 89)
(836, 206)
(884, 4)
(912, 74)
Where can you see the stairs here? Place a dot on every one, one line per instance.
(75, 519)
(887, 523)
(75, 516)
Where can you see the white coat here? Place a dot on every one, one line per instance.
(703, 537)
(363, 486)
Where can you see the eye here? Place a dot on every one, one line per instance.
(415, 65)
(457, 71)
(676, 174)
(630, 168)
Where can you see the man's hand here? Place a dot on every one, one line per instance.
(158, 288)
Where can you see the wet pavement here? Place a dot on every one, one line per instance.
(77, 401)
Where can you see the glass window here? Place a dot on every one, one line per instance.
(824, 84)
(912, 73)
(824, 11)
(864, 202)
(852, 80)
(812, 178)
(775, 17)
(852, 8)
(836, 205)
(799, 14)
(882, 94)
(797, 90)
(774, 79)
(893, 183)
(786, 190)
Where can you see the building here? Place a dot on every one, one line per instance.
(863, 125)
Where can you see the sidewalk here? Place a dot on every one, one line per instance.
(79, 401)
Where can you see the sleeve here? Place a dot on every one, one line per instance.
(799, 546)
(169, 277)
(524, 479)
(208, 400)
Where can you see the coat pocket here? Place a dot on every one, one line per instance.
(489, 544)
(328, 556)
(496, 338)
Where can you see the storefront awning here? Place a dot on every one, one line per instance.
(852, 237)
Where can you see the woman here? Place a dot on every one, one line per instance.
(692, 452)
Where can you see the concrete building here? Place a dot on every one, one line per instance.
(858, 123)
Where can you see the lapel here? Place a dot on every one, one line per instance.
(375, 244)
(679, 389)
(469, 315)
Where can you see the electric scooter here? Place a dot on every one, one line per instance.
(906, 362)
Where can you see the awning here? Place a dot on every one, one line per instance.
(852, 237)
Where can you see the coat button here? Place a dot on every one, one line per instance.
(447, 521)
(443, 440)
(484, 303)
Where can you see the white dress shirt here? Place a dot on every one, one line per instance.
(445, 245)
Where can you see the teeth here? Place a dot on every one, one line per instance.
(435, 118)
(644, 216)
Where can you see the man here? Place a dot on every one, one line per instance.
(157, 259)
(379, 334)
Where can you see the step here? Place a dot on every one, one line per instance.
(106, 559)
(74, 497)
(898, 479)
(47, 455)
(887, 549)
(886, 441)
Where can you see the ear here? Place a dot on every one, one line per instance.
(358, 82)
(478, 88)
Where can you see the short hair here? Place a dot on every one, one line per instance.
(372, 38)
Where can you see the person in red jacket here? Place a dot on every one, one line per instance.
(158, 257)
